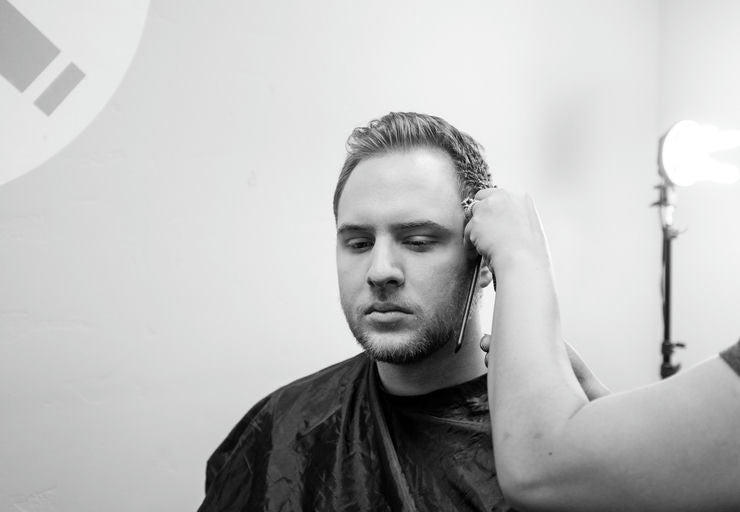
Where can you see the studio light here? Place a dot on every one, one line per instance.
(685, 154)
(685, 157)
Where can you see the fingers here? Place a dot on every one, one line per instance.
(485, 192)
(502, 194)
(469, 203)
(466, 234)
(485, 342)
(590, 384)
(505, 223)
(485, 345)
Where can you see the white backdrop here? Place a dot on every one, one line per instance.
(175, 263)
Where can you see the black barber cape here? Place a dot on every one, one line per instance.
(334, 441)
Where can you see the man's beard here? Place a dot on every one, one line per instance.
(437, 332)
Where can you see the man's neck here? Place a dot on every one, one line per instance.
(440, 370)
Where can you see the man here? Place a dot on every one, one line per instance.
(404, 425)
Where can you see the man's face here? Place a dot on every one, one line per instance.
(401, 259)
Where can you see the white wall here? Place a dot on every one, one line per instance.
(175, 263)
(700, 80)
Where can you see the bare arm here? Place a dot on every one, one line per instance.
(674, 445)
(590, 383)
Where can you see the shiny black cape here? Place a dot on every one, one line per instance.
(322, 443)
(732, 357)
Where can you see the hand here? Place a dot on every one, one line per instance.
(590, 384)
(505, 227)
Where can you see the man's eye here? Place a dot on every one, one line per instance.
(358, 244)
(419, 242)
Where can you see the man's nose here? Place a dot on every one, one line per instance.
(385, 269)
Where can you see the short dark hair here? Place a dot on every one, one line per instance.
(400, 131)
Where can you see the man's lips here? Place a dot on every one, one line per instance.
(387, 316)
(386, 307)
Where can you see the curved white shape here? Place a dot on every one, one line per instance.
(686, 154)
(96, 42)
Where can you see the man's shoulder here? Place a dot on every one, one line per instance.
(293, 410)
(314, 395)
(332, 378)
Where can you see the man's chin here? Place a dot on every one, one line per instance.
(396, 348)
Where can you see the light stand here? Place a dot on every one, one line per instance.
(685, 157)
(666, 204)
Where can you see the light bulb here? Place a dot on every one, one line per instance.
(686, 154)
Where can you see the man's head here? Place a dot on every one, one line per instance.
(401, 131)
(402, 262)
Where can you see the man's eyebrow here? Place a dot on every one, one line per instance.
(345, 228)
(419, 224)
(398, 226)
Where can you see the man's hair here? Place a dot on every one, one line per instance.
(402, 131)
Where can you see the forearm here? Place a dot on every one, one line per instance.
(532, 387)
(556, 451)
(672, 446)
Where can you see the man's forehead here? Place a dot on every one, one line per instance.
(402, 187)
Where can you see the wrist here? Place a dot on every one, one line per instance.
(526, 260)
